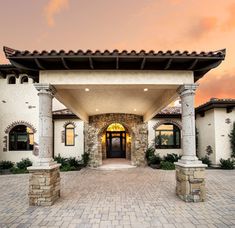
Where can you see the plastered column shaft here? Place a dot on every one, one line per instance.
(187, 93)
(45, 94)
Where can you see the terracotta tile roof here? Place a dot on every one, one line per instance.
(62, 112)
(216, 103)
(198, 62)
(14, 53)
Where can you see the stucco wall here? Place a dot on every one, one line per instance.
(18, 103)
(206, 134)
(151, 135)
(59, 145)
(223, 126)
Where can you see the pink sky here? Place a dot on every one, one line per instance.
(127, 24)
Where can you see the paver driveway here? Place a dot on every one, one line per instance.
(140, 197)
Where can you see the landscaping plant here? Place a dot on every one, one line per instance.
(166, 165)
(227, 163)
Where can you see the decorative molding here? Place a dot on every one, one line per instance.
(164, 121)
(69, 122)
(20, 122)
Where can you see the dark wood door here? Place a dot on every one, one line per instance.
(116, 144)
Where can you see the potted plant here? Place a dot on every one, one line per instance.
(5, 167)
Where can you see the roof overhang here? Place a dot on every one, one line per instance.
(33, 62)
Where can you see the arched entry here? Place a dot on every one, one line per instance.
(116, 141)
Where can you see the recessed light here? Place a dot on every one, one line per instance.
(87, 89)
(146, 89)
(135, 109)
(96, 109)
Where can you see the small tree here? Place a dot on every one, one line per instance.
(232, 140)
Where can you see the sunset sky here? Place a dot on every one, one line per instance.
(201, 25)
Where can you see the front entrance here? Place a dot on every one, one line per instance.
(116, 144)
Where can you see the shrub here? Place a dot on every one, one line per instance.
(24, 163)
(166, 165)
(67, 167)
(150, 152)
(85, 158)
(61, 160)
(154, 160)
(6, 164)
(172, 158)
(227, 163)
(15, 170)
(206, 160)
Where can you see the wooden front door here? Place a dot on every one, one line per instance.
(116, 144)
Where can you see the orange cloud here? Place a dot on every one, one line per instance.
(230, 22)
(219, 87)
(204, 26)
(54, 7)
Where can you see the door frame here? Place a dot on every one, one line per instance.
(109, 146)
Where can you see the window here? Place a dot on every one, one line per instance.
(167, 136)
(21, 138)
(24, 79)
(69, 135)
(12, 80)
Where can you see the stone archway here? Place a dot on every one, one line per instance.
(134, 125)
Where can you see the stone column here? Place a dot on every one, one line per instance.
(44, 182)
(190, 172)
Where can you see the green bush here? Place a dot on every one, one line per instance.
(154, 160)
(24, 163)
(6, 164)
(16, 170)
(166, 165)
(227, 163)
(206, 160)
(85, 158)
(150, 152)
(61, 160)
(172, 158)
(67, 167)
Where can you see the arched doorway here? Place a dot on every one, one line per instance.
(116, 141)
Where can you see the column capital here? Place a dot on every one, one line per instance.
(187, 89)
(45, 88)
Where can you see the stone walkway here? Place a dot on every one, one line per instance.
(140, 197)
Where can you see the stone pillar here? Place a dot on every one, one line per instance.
(44, 181)
(190, 172)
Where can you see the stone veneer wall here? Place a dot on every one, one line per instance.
(190, 183)
(135, 127)
(44, 186)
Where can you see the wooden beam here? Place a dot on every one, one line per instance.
(65, 64)
(39, 65)
(91, 63)
(168, 64)
(193, 64)
(117, 63)
(143, 64)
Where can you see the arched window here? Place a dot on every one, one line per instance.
(12, 80)
(167, 136)
(69, 135)
(24, 79)
(21, 138)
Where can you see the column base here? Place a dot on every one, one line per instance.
(190, 182)
(44, 185)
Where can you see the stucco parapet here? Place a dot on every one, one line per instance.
(187, 89)
(45, 88)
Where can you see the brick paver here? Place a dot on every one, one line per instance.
(140, 197)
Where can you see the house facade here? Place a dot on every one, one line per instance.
(19, 105)
(116, 100)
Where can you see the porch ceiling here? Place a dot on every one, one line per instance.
(100, 99)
